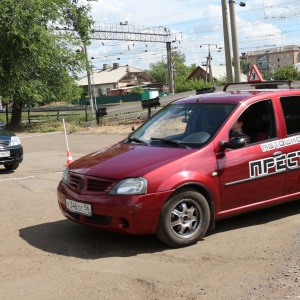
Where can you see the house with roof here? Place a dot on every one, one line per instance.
(115, 80)
(217, 73)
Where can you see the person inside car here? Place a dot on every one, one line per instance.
(236, 130)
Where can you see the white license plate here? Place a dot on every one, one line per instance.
(4, 153)
(78, 207)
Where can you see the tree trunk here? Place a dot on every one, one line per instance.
(16, 116)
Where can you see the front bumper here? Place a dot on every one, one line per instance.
(16, 155)
(125, 214)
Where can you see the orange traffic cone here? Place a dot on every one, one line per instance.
(69, 158)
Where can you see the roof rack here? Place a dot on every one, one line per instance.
(271, 84)
(205, 90)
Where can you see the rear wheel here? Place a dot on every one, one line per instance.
(11, 167)
(184, 219)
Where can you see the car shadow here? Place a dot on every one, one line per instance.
(70, 239)
(4, 171)
(258, 217)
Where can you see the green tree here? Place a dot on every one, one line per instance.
(287, 72)
(159, 71)
(246, 67)
(39, 62)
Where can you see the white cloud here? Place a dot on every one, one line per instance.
(259, 24)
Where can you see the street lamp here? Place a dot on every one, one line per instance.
(236, 57)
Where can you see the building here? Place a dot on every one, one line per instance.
(115, 80)
(297, 66)
(218, 73)
(273, 58)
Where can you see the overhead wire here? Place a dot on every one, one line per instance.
(193, 33)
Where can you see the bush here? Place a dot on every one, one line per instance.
(137, 90)
(288, 72)
(182, 85)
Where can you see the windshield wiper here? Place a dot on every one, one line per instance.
(136, 140)
(170, 142)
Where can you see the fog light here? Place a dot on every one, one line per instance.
(123, 223)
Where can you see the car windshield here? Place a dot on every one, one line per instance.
(189, 125)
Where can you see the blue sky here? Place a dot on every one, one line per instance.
(261, 24)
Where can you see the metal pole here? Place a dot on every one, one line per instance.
(236, 57)
(89, 81)
(226, 43)
(211, 78)
(170, 72)
(66, 134)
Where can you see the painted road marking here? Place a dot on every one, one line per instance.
(17, 178)
(38, 135)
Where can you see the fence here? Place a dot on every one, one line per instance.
(38, 114)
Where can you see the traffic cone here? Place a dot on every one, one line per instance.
(69, 158)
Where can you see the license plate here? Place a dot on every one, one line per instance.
(78, 207)
(4, 153)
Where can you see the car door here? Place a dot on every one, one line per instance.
(290, 144)
(250, 175)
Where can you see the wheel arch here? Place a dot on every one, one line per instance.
(206, 193)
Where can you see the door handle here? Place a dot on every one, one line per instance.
(277, 153)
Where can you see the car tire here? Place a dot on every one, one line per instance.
(11, 167)
(184, 219)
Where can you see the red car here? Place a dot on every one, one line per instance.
(186, 167)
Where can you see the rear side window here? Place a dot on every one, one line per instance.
(291, 110)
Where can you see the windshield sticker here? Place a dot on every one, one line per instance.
(276, 164)
(280, 143)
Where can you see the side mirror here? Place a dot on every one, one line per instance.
(233, 144)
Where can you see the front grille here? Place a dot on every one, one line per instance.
(97, 185)
(73, 215)
(73, 180)
(11, 158)
(98, 219)
(4, 144)
(94, 219)
(89, 184)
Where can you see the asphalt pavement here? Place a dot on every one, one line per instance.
(130, 107)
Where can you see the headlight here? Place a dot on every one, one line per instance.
(15, 141)
(130, 186)
(65, 175)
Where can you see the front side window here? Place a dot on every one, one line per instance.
(291, 111)
(189, 125)
(256, 124)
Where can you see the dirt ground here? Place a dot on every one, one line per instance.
(45, 256)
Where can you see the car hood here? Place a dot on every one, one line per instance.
(5, 134)
(126, 160)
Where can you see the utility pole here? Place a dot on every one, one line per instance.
(235, 48)
(208, 64)
(170, 68)
(89, 80)
(226, 43)
(236, 57)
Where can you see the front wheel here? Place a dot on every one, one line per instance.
(184, 219)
